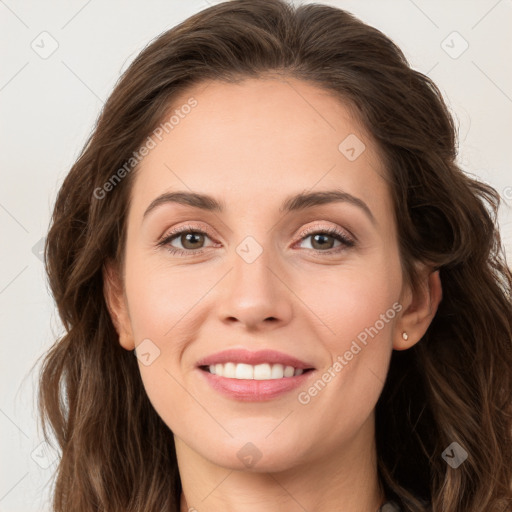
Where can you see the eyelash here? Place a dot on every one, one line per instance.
(334, 232)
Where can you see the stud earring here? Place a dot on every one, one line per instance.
(405, 336)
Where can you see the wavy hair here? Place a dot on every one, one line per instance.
(455, 385)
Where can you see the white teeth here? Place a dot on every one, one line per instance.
(264, 371)
(244, 371)
(229, 370)
(277, 371)
(288, 371)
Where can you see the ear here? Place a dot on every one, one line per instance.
(420, 306)
(115, 298)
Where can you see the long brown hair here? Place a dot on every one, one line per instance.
(455, 385)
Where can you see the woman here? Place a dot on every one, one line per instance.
(270, 217)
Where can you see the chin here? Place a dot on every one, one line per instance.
(254, 457)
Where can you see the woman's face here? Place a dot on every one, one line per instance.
(263, 273)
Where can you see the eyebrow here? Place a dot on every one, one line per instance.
(296, 202)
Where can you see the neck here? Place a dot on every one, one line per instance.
(346, 477)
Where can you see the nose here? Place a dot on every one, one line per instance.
(255, 294)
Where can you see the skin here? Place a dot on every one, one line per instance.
(251, 145)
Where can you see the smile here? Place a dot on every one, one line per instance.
(244, 375)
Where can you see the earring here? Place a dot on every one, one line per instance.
(405, 336)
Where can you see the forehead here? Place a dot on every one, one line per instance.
(257, 138)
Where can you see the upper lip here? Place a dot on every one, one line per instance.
(253, 358)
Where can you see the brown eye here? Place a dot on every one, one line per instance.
(324, 240)
(191, 240)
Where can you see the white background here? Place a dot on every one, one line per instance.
(49, 106)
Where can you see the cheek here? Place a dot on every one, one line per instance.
(358, 306)
(161, 297)
(358, 309)
(348, 299)
(161, 306)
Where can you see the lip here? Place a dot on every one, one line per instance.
(251, 390)
(235, 355)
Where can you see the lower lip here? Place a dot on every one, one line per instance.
(251, 390)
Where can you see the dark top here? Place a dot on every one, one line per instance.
(389, 506)
(392, 506)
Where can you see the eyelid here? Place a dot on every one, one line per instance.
(343, 232)
(183, 228)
